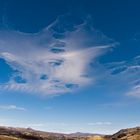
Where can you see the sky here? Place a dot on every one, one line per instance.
(70, 66)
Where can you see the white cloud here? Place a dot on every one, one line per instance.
(12, 107)
(134, 91)
(127, 73)
(52, 61)
(100, 123)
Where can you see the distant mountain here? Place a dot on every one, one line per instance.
(10, 133)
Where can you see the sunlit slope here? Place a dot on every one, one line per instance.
(97, 138)
(127, 134)
(3, 137)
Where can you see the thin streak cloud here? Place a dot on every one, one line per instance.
(12, 107)
(126, 72)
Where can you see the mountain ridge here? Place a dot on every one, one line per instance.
(15, 133)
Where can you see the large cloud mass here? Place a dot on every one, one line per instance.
(54, 60)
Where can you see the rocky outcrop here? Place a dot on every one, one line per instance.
(127, 134)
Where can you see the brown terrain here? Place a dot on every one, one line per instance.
(10, 133)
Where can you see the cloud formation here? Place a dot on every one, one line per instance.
(54, 60)
(127, 72)
(100, 123)
(12, 107)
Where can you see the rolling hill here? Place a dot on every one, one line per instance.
(10, 133)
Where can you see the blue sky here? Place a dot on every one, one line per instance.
(68, 66)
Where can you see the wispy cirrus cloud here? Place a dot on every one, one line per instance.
(12, 107)
(134, 91)
(127, 72)
(100, 123)
(55, 60)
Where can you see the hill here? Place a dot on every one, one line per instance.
(10, 133)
